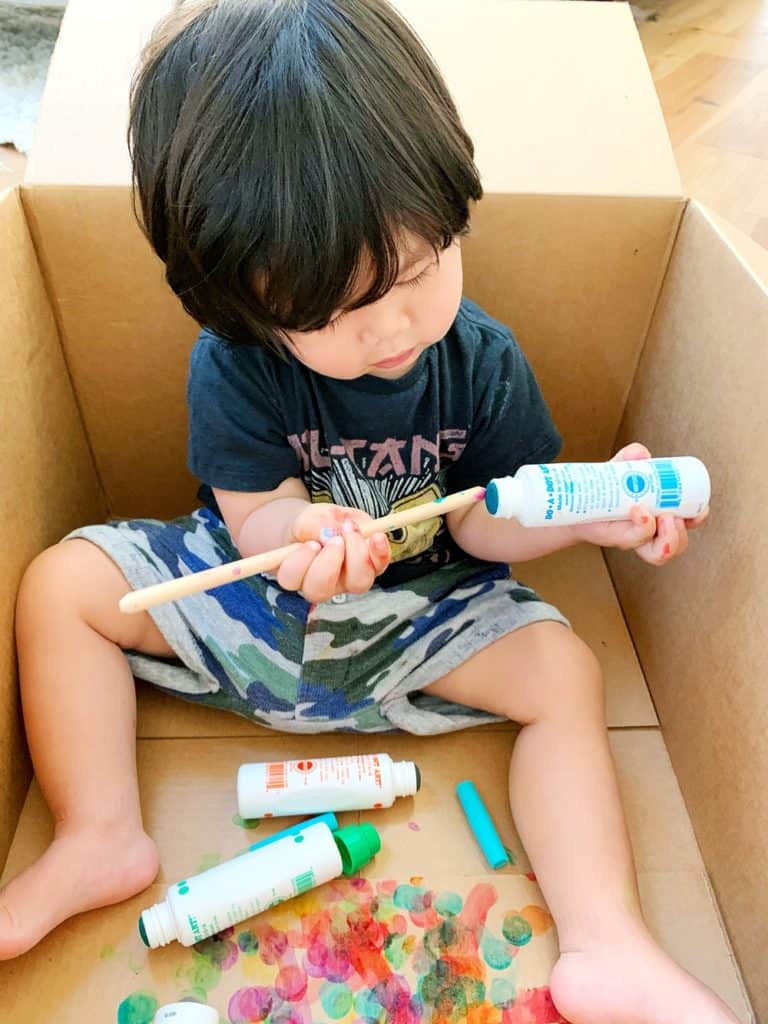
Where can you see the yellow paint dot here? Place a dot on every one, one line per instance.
(538, 918)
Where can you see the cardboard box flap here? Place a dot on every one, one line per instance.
(699, 626)
(531, 81)
(80, 136)
(49, 483)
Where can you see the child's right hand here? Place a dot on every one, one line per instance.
(334, 557)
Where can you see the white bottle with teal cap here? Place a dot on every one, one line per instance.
(566, 493)
(206, 904)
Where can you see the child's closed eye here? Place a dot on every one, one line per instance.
(413, 282)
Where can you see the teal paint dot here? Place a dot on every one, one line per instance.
(367, 1005)
(448, 903)
(138, 1008)
(503, 993)
(516, 930)
(248, 943)
(336, 1000)
(245, 822)
(394, 952)
(412, 898)
(495, 952)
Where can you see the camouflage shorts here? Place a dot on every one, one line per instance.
(353, 664)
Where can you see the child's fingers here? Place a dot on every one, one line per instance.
(630, 452)
(322, 577)
(379, 552)
(671, 539)
(639, 530)
(358, 572)
(700, 519)
(293, 569)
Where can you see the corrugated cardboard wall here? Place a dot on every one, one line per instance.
(699, 625)
(49, 484)
(580, 280)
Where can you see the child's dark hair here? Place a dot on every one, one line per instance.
(277, 143)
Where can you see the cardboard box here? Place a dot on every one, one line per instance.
(644, 317)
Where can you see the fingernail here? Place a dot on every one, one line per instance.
(314, 545)
(337, 541)
(327, 533)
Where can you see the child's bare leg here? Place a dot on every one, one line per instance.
(566, 806)
(80, 714)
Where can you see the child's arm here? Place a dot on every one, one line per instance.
(334, 558)
(656, 541)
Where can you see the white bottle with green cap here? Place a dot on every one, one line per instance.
(206, 904)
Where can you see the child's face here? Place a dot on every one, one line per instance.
(385, 338)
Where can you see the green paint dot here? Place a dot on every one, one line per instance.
(448, 903)
(245, 822)
(503, 993)
(107, 952)
(336, 1000)
(495, 952)
(516, 930)
(138, 1008)
(394, 952)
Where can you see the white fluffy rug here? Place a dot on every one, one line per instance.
(27, 36)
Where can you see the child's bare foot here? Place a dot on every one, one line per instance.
(82, 869)
(632, 981)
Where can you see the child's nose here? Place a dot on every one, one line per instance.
(387, 321)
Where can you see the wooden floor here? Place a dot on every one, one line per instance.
(709, 60)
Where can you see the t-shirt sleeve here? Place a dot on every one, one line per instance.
(510, 423)
(237, 437)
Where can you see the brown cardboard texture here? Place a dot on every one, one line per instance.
(644, 317)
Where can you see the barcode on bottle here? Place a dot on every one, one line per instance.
(277, 775)
(670, 490)
(303, 882)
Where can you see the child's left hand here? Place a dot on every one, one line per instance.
(656, 541)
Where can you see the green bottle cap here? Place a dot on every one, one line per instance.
(143, 932)
(358, 845)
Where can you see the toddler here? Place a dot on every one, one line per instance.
(304, 175)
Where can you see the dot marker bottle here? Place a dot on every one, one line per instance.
(205, 904)
(356, 783)
(562, 494)
(186, 1013)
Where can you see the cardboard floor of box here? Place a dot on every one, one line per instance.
(188, 759)
(188, 796)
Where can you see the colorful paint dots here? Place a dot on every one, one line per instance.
(516, 929)
(138, 1008)
(336, 1000)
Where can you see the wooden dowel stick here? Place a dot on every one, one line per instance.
(267, 561)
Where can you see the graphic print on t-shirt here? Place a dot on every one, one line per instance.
(380, 477)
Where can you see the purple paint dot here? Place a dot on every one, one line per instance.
(414, 826)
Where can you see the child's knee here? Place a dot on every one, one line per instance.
(75, 581)
(572, 680)
(561, 678)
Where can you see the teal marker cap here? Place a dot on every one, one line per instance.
(482, 826)
(492, 497)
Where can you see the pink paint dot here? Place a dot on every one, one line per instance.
(480, 494)
(236, 572)
(414, 826)
(250, 1004)
(291, 984)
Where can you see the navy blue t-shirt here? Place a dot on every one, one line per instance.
(467, 411)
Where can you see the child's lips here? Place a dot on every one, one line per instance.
(402, 357)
